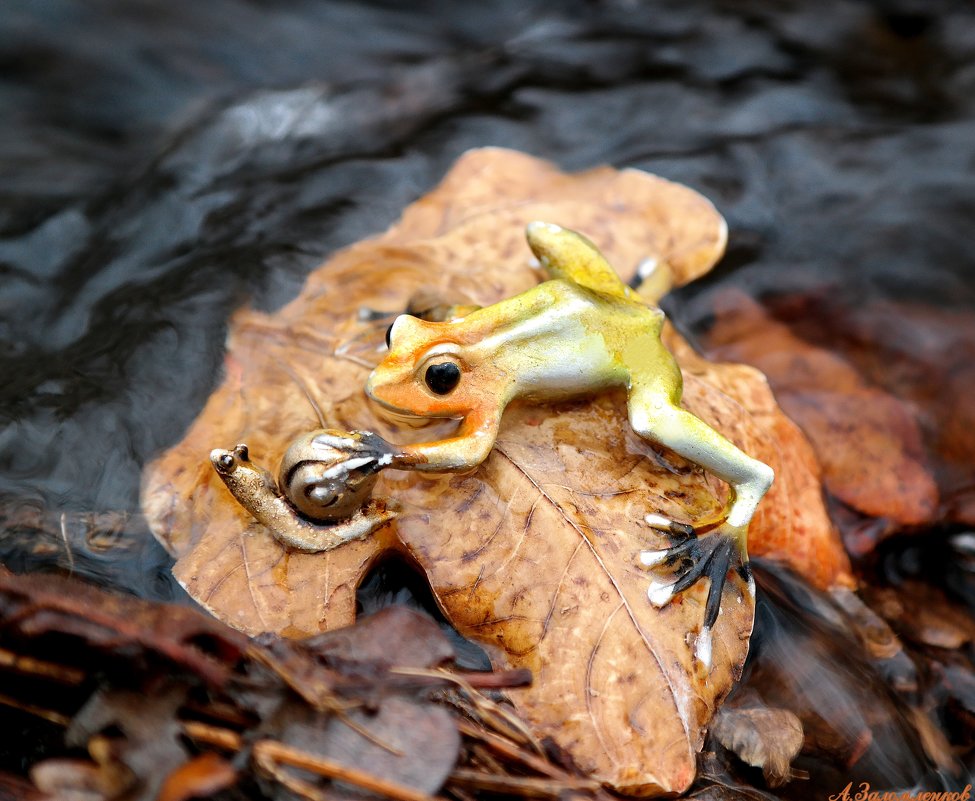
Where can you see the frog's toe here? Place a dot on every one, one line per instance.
(681, 566)
(676, 531)
(702, 647)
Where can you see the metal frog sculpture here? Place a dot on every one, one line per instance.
(578, 333)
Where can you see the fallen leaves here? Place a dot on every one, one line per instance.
(351, 706)
(169, 633)
(201, 777)
(922, 614)
(552, 582)
(923, 355)
(13, 788)
(868, 441)
(535, 556)
(762, 737)
(871, 708)
(882, 391)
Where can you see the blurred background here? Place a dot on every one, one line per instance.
(162, 164)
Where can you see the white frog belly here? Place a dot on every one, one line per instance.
(574, 361)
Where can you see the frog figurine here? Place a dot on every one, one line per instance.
(580, 332)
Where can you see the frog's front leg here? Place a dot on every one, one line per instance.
(655, 415)
(460, 453)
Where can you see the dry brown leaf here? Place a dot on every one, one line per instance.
(868, 441)
(535, 554)
(923, 614)
(43, 604)
(201, 777)
(924, 356)
(763, 738)
(357, 697)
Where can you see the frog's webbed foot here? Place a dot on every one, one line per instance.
(690, 559)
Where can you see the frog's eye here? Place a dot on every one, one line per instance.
(442, 378)
(389, 333)
(227, 462)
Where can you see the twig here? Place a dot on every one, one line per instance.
(320, 697)
(297, 786)
(330, 769)
(481, 756)
(520, 785)
(318, 694)
(496, 680)
(213, 735)
(47, 714)
(494, 714)
(367, 735)
(270, 755)
(38, 667)
(511, 750)
(461, 795)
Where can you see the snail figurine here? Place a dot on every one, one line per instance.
(321, 499)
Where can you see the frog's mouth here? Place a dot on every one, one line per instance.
(399, 417)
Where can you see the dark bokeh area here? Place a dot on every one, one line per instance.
(162, 164)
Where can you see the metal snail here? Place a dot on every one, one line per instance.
(325, 480)
(580, 332)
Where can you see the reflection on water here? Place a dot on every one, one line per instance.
(163, 165)
(858, 694)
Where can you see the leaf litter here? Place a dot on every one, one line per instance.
(193, 707)
(535, 555)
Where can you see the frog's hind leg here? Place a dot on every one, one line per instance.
(655, 414)
(568, 255)
(653, 279)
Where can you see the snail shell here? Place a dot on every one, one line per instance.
(328, 475)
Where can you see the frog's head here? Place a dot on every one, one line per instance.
(429, 371)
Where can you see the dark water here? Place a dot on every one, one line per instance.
(162, 164)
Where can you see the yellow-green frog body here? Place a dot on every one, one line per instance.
(581, 332)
